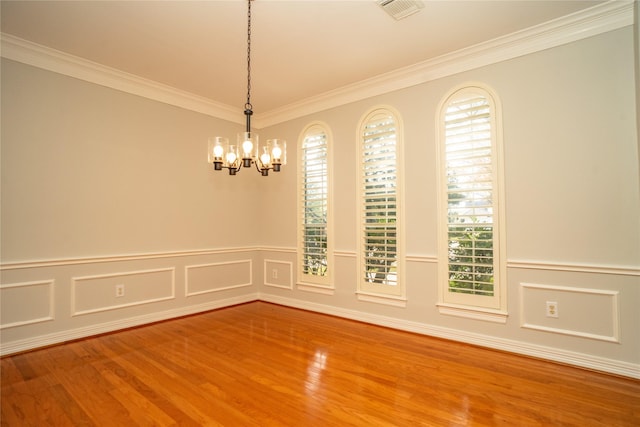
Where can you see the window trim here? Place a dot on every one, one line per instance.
(306, 282)
(378, 293)
(489, 308)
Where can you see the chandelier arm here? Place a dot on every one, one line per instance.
(263, 171)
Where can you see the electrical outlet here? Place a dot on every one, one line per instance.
(119, 291)
(552, 309)
(274, 273)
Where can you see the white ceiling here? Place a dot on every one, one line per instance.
(300, 48)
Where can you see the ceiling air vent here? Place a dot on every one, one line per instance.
(399, 9)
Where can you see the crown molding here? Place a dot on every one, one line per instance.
(44, 57)
(599, 19)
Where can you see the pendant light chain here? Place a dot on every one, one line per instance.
(271, 155)
(248, 105)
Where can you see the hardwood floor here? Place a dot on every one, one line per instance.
(260, 364)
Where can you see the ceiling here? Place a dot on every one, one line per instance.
(299, 48)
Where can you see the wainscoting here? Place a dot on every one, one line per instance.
(49, 302)
(44, 303)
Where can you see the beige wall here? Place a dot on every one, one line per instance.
(91, 171)
(91, 176)
(636, 29)
(572, 205)
(102, 188)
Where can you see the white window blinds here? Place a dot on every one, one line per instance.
(470, 181)
(314, 200)
(379, 200)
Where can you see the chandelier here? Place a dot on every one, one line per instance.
(247, 151)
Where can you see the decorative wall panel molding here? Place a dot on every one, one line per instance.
(580, 312)
(218, 276)
(93, 294)
(278, 274)
(13, 312)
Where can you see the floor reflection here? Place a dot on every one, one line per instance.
(314, 370)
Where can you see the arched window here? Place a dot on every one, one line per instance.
(471, 209)
(381, 239)
(314, 203)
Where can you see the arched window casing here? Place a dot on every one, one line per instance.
(471, 250)
(315, 242)
(381, 239)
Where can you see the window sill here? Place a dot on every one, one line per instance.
(476, 313)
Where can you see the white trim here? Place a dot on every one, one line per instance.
(37, 55)
(117, 258)
(597, 337)
(280, 249)
(74, 281)
(225, 288)
(312, 129)
(583, 360)
(50, 317)
(456, 300)
(116, 325)
(615, 367)
(615, 315)
(513, 263)
(596, 20)
(579, 268)
(266, 276)
(384, 291)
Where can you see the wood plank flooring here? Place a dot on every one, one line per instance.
(260, 364)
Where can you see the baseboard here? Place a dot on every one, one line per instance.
(582, 360)
(84, 332)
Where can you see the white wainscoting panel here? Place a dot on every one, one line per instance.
(581, 312)
(13, 311)
(92, 294)
(278, 273)
(219, 276)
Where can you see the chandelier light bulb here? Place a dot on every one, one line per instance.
(247, 147)
(231, 157)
